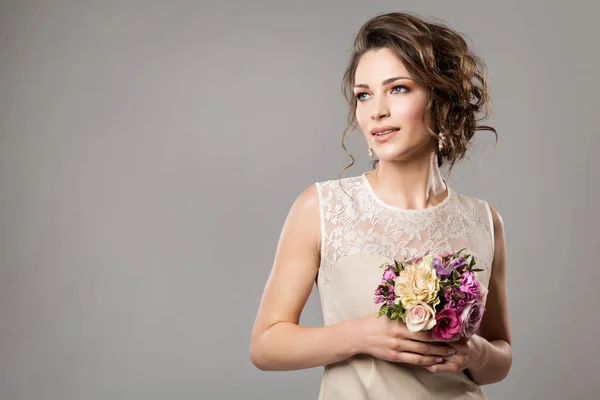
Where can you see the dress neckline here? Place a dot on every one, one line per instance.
(438, 206)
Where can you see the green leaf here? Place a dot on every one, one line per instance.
(458, 252)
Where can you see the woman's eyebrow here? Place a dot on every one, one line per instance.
(386, 82)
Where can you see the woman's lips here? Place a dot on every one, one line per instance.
(384, 138)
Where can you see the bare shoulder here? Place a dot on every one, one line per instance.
(499, 261)
(498, 223)
(308, 201)
(304, 215)
(299, 244)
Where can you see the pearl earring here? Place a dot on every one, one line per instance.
(371, 152)
(442, 141)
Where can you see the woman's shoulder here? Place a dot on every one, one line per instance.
(470, 200)
(473, 202)
(338, 180)
(314, 195)
(340, 183)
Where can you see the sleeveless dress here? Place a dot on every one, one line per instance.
(358, 234)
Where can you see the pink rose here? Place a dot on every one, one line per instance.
(447, 324)
(420, 317)
(471, 318)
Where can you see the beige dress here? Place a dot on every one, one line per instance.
(363, 232)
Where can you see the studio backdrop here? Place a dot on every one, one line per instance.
(151, 150)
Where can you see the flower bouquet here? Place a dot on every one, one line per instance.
(433, 292)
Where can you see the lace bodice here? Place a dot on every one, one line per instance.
(365, 224)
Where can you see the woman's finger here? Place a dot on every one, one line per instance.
(460, 347)
(425, 348)
(426, 336)
(458, 358)
(442, 367)
(422, 336)
(416, 359)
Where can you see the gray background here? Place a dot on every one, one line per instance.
(150, 151)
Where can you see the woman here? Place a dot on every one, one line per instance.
(414, 89)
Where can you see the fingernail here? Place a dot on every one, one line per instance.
(451, 351)
(439, 359)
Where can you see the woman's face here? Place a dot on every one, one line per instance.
(388, 98)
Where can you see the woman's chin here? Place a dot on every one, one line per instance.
(401, 154)
(393, 156)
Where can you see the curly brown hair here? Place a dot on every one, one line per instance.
(438, 58)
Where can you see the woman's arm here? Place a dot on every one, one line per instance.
(493, 341)
(278, 342)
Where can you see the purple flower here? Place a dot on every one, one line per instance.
(448, 295)
(378, 291)
(456, 305)
(390, 303)
(469, 285)
(389, 274)
(457, 263)
(378, 299)
(471, 318)
(447, 325)
(439, 268)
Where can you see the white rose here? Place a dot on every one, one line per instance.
(420, 316)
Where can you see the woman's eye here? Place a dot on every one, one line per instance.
(395, 88)
(361, 96)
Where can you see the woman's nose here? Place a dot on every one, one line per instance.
(381, 110)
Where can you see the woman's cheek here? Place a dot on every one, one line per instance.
(408, 111)
(410, 108)
(363, 121)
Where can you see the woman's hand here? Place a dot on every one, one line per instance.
(468, 354)
(391, 340)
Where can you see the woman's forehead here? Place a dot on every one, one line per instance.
(375, 66)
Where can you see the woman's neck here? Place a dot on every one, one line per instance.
(411, 185)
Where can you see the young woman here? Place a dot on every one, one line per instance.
(414, 89)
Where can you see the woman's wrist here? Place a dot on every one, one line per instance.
(351, 336)
(480, 354)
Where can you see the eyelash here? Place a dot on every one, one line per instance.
(357, 95)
